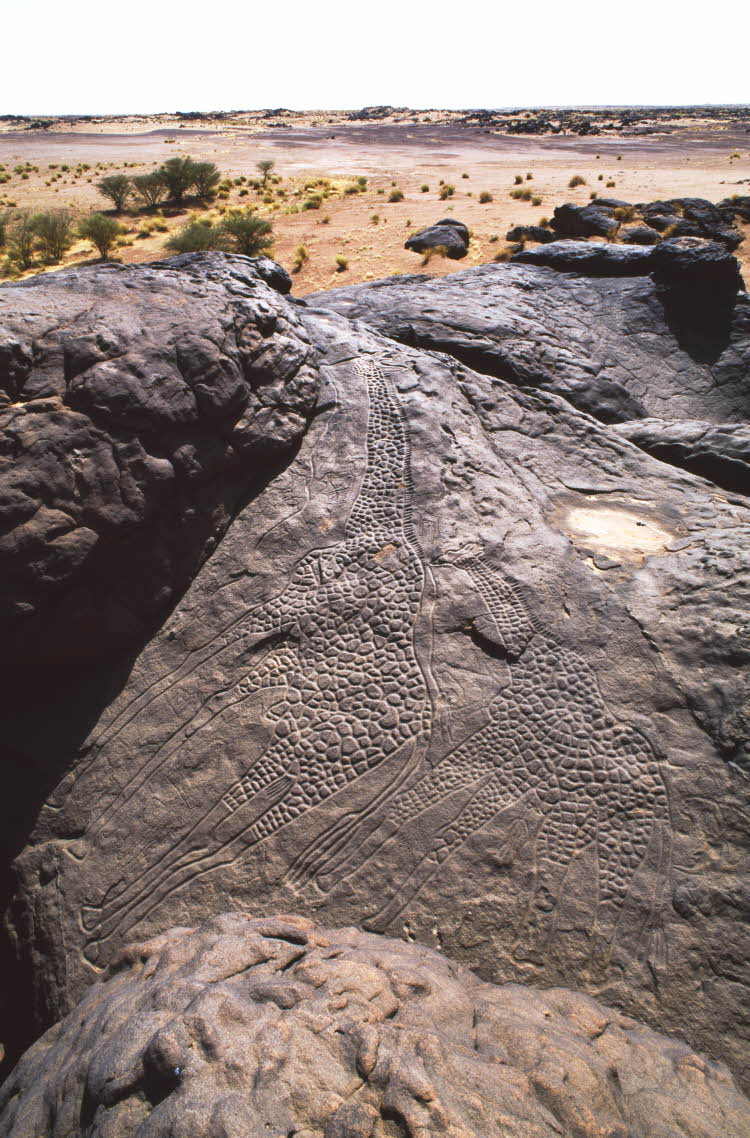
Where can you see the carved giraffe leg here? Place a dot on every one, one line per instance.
(490, 799)
(568, 828)
(336, 854)
(623, 844)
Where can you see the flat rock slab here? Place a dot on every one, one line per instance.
(247, 1028)
(616, 348)
(469, 670)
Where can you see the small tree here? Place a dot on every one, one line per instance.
(117, 189)
(196, 237)
(178, 175)
(247, 233)
(5, 220)
(150, 188)
(206, 178)
(22, 241)
(54, 233)
(101, 231)
(265, 167)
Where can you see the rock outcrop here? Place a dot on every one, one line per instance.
(450, 235)
(469, 667)
(140, 408)
(248, 1028)
(720, 453)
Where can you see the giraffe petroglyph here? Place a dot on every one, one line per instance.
(340, 642)
(550, 743)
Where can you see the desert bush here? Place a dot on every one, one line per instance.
(375, 218)
(179, 176)
(245, 232)
(5, 219)
(396, 196)
(54, 233)
(576, 180)
(493, 238)
(341, 264)
(206, 176)
(446, 192)
(424, 189)
(313, 202)
(593, 195)
(101, 231)
(524, 195)
(21, 241)
(362, 183)
(195, 237)
(264, 168)
(610, 185)
(150, 188)
(435, 251)
(518, 179)
(624, 213)
(464, 175)
(301, 256)
(536, 199)
(116, 188)
(504, 254)
(600, 177)
(544, 222)
(324, 220)
(485, 197)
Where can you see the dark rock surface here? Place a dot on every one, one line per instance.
(570, 220)
(719, 453)
(639, 235)
(246, 1028)
(139, 409)
(606, 260)
(470, 669)
(618, 349)
(530, 233)
(453, 236)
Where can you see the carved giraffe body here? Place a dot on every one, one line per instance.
(353, 691)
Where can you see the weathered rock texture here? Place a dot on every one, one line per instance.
(248, 1028)
(472, 668)
(616, 348)
(139, 408)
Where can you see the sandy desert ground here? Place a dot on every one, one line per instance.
(690, 156)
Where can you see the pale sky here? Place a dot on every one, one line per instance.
(78, 56)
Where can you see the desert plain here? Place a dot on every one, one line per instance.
(358, 234)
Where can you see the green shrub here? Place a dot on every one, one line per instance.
(5, 220)
(536, 199)
(576, 180)
(341, 264)
(424, 189)
(54, 233)
(116, 188)
(178, 175)
(101, 231)
(245, 232)
(524, 195)
(518, 179)
(396, 196)
(206, 176)
(446, 192)
(21, 241)
(362, 183)
(485, 197)
(375, 218)
(195, 237)
(150, 188)
(313, 202)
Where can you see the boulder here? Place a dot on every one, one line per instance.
(254, 1027)
(639, 235)
(530, 233)
(453, 236)
(592, 259)
(583, 221)
(705, 270)
(468, 668)
(692, 217)
(720, 453)
(738, 205)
